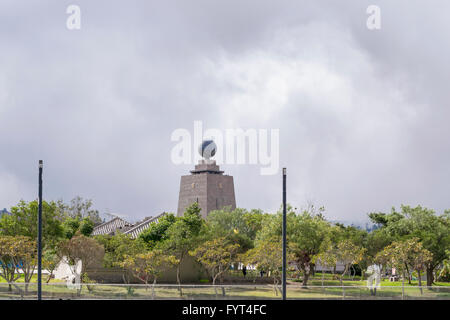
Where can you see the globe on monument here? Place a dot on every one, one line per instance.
(207, 149)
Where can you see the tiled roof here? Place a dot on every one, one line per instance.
(139, 227)
(112, 226)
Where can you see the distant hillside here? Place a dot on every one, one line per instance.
(368, 226)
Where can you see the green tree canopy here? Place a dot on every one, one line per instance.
(238, 226)
(17, 254)
(216, 256)
(405, 256)
(183, 235)
(432, 230)
(83, 248)
(149, 265)
(73, 225)
(157, 232)
(246, 223)
(267, 256)
(118, 247)
(23, 221)
(305, 233)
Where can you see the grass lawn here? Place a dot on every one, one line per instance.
(33, 279)
(353, 289)
(60, 291)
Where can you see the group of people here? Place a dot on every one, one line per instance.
(244, 272)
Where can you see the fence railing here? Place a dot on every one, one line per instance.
(195, 292)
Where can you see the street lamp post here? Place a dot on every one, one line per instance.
(284, 234)
(39, 242)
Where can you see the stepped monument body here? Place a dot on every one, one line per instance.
(206, 184)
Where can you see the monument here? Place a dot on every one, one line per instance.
(206, 184)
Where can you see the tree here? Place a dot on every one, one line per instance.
(149, 265)
(267, 256)
(216, 256)
(351, 233)
(71, 226)
(50, 260)
(82, 208)
(419, 258)
(27, 252)
(383, 219)
(17, 253)
(444, 273)
(157, 232)
(354, 235)
(327, 256)
(404, 256)
(8, 259)
(23, 221)
(305, 233)
(394, 256)
(86, 226)
(227, 221)
(433, 231)
(238, 226)
(306, 239)
(117, 248)
(183, 236)
(348, 253)
(80, 247)
(377, 240)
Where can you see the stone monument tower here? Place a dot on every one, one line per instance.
(206, 185)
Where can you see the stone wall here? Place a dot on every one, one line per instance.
(191, 272)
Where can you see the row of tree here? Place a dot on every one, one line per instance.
(410, 240)
(413, 239)
(63, 227)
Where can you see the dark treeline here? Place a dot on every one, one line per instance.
(412, 240)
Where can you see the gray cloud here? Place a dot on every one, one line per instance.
(362, 114)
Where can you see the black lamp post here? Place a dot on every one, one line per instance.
(39, 242)
(284, 234)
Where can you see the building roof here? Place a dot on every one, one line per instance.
(139, 227)
(118, 224)
(4, 211)
(111, 226)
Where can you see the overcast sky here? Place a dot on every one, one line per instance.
(363, 115)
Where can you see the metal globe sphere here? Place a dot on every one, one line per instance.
(207, 149)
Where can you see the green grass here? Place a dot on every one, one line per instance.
(316, 280)
(33, 279)
(60, 291)
(354, 289)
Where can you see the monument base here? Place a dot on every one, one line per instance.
(207, 186)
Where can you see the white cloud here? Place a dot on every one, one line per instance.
(362, 115)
